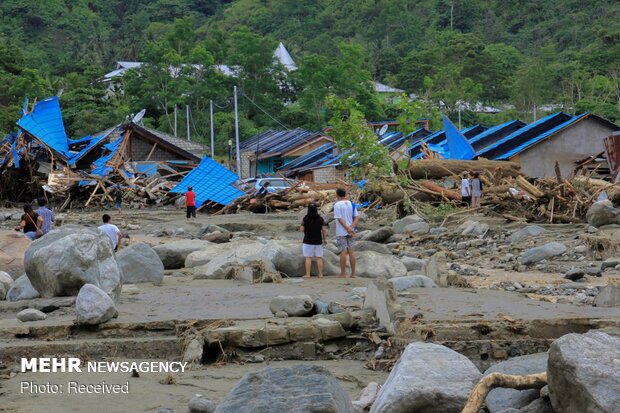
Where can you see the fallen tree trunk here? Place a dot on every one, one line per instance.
(440, 168)
(451, 195)
(493, 380)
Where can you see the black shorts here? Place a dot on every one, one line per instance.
(466, 200)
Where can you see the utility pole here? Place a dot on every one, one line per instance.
(534, 112)
(212, 134)
(460, 127)
(187, 114)
(175, 121)
(237, 153)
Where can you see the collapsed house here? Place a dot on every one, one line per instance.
(40, 159)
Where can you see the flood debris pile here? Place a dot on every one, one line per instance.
(148, 167)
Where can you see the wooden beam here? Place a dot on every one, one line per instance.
(151, 152)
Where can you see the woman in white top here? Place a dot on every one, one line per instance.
(466, 190)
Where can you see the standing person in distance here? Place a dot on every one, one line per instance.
(190, 203)
(111, 231)
(466, 189)
(314, 228)
(118, 197)
(346, 218)
(46, 214)
(476, 190)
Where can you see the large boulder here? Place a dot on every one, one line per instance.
(140, 264)
(93, 306)
(298, 389)
(6, 280)
(584, 373)
(537, 254)
(500, 398)
(379, 235)
(293, 306)
(173, 254)
(372, 246)
(602, 213)
(525, 233)
(402, 226)
(289, 260)
(371, 264)
(428, 378)
(13, 245)
(62, 261)
(22, 289)
(412, 281)
(608, 296)
(414, 264)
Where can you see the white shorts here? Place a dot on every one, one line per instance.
(313, 251)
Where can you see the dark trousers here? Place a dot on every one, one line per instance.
(191, 212)
(466, 201)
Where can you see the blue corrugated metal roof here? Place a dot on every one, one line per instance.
(45, 124)
(538, 138)
(520, 132)
(493, 130)
(211, 182)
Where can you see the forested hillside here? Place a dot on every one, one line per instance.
(517, 54)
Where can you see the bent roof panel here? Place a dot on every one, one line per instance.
(211, 182)
(495, 133)
(46, 125)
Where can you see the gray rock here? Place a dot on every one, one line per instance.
(417, 228)
(371, 264)
(16, 216)
(140, 264)
(525, 233)
(287, 257)
(30, 314)
(412, 281)
(538, 406)
(22, 289)
(600, 213)
(6, 280)
(2, 292)
(193, 351)
(428, 378)
(381, 297)
(575, 274)
(437, 269)
(438, 230)
(608, 296)
(372, 246)
(583, 373)
(93, 306)
(414, 264)
(537, 254)
(367, 397)
(294, 306)
(580, 249)
(210, 228)
(48, 305)
(299, 389)
(62, 261)
(400, 225)
(173, 254)
(199, 404)
(473, 229)
(500, 398)
(610, 263)
(379, 235)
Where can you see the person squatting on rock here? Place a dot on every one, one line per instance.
(111, 231)
(190, 203)
(314, 228)
(46, 214)
(466, 189)
(30, 223)
(346, 218)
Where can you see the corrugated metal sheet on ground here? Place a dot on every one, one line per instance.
(211, 182)
(45, 123)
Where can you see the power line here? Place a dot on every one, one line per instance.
(264, 111)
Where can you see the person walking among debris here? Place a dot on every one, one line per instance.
(314, 228)
(476, 190)
(263, 191)
(466, 189)
(46, 214)
(30, 223)
(118, 198)
(346, 218)
(190, 203)
(111, 231)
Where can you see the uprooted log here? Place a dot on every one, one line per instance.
(493, 380)
(446, 193)
(440, 168)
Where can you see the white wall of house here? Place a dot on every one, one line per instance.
(583, 139)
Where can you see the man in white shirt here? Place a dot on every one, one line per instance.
(111, 231)
(466, 189)
(346, 218)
